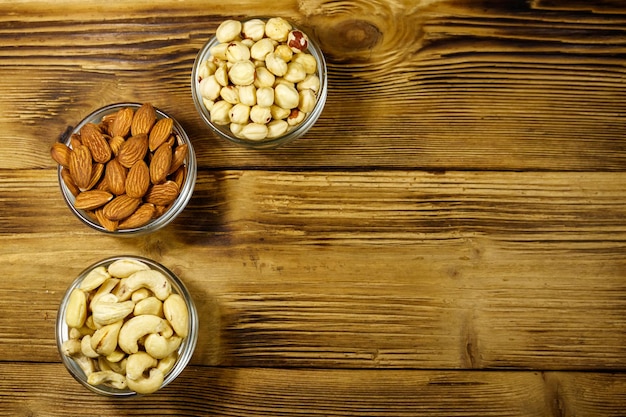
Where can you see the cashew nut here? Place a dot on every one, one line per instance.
(140, 294)
(94, 279)
(85, 363)
(175, 311)
(76, 312)
(104, 340)
(160, 347)
(123, 268)
(150, 305)
(106, 311)
(151, 279)
(147, 385)
(139, 326)
(110, 378)
(86, 349)
(71, 347)
(137, 365)
(167, 364)
(106, 288)
(116, 356)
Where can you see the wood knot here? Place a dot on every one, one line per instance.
(348, 38)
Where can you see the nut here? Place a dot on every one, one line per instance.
(121, 207)
(143, 120)
(92, 199)
(228, 30)
(138, 180)
(80, 166)
(259, 58)
(60, 152)
(160, 163)
(133, 149)
(134, 343)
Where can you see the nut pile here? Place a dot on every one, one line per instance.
(125, 326)
(126, 170)
(260, 80)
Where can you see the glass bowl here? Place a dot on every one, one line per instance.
(174, 208)
(185, 350)
(293, 132)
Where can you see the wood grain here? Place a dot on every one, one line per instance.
(484, 85)
(384, 269)
(447, 240)
(301, 392)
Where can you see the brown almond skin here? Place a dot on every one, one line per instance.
(108, 224)
(138, 180)
(162, 194)
(160, 163)
(180, 153)
(92, 137)
(97, 172)
(121, 207)
(133, 150)
(160, 133)
(69, 181)
(116, 144)
(140, 217)
(60, 152)
(116, 177)
(92, 199)
(143, 120)
(81, 166)
(121, 123)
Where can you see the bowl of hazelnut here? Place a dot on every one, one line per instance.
(259, 83)
(126, 169)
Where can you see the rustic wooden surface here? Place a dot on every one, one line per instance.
(448, 240)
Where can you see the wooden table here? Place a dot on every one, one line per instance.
(448, 240)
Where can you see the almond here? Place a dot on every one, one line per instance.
(160, 163)
(116, 177)
(140, 217)
(120, 207)
(60, 152)
(108, 224)
(80, 166)
(96, 174)
(162, 194)
(138, 180)
(116, 144)
(180, 153)
(133, 149)
(121, 123)
(89, 200)
(179, 176)
(75, 140)
(69, 181)
(92, 137)
(143, 120)
(160, 132)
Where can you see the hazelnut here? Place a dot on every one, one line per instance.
(297, 41)
(253, 29)
(277, 28)
(242, 73)
(228, 30)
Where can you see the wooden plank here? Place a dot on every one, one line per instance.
(299, 392)
(469, 84)
(361, 270)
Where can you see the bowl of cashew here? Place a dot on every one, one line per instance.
(127, 325)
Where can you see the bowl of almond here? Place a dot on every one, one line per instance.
(126, 169)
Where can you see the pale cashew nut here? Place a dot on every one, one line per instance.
(151, 279)
(116, 356)
(139, 326)
(104, 340)
(76, 312)
(108, 311)
(147, 385)
(85, 363)
(110, 378)
(160, 347)
(71, 347)
(123, 268)
(175, 311)
(86, 349)
(94, 279)
(106, 288)
(167, 364)
(137, 365)
(150, 305)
